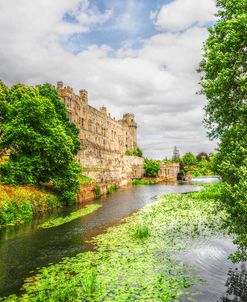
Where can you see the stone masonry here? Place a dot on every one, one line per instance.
(103, 139)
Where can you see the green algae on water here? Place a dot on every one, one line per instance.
(130, 267)
(72, 216)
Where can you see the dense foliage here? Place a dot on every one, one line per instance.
(19, 204)
(151, 167)
(135, 152)
(134, 260)
(225, 85)
(202, 156)
(231, 164)
(137, 182)
(203, 167)
(39, 138)
(189, 159)
(224, 65)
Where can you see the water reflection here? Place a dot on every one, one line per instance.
(26, 247)
(236, 285)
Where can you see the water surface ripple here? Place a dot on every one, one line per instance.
(25, 248)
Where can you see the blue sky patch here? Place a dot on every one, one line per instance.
(130, 22)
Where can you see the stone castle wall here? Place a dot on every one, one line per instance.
(103, 139)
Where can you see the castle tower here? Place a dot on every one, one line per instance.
(59, 85)
(103, 109)
(129, 119)
(84, 96)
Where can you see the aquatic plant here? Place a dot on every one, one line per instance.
(112, 189)
(54, 222)
(141, 232)
(97, 191)
(89, 281)
(136, 182)
(125, 269)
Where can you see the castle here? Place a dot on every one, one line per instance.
(104, 140)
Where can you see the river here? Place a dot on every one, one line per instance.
(25, 248)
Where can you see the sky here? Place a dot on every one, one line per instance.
(137, 56)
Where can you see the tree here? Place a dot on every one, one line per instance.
(3, 100)
(231, 163)
(202, 156)
(50, 92)
(189, 159)
(176, 155)
(224, 83)
(151, 167)
(224, 80)
(41, 141)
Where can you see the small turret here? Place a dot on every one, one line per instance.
(103, 109)
(59, 85)
(129, 118)
(84, 95)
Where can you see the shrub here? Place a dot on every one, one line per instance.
(135, 152)
(112, 188)
(136, 182)
(151, 167)
(19, 204)
(97, 191)
(189, 159)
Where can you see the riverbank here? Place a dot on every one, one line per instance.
(20, 203)
(134, 260)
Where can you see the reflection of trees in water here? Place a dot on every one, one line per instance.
(236, 286)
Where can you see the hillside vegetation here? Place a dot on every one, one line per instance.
(20, 203)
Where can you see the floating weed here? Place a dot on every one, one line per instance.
(74, 215)
(127, 270)
(136, 182)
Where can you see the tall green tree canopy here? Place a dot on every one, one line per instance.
(225, 85)
(224, 80)
(189, 159)
(40, 139)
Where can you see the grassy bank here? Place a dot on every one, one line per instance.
(134, 260)
(19, 204)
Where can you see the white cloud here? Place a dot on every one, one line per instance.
(157, 82)
(88, 15)
(181, 14)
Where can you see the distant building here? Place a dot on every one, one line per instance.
(176, 155)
